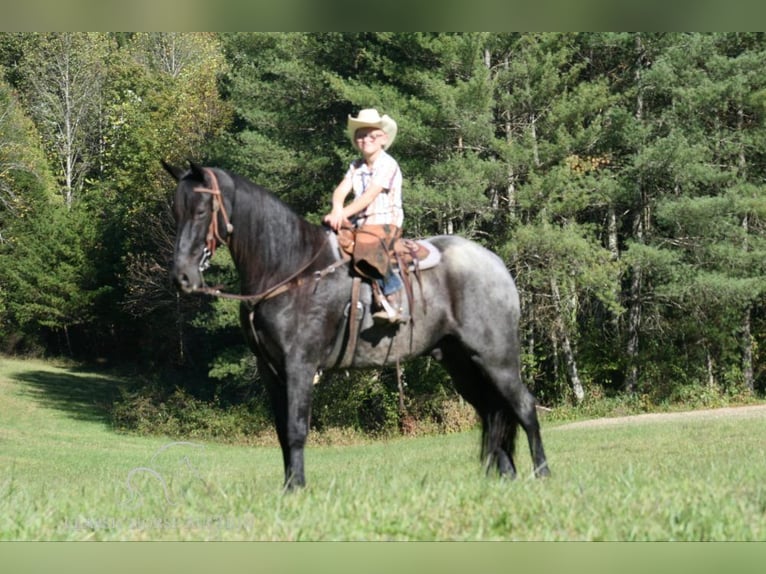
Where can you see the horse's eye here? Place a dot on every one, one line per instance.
(200, 213)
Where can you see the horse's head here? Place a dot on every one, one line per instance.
(201, 224)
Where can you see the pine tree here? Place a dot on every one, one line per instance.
(553, 129)
(712, 214)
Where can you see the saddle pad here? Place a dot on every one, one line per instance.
(427, 254)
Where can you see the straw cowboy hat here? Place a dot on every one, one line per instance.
(370, 118)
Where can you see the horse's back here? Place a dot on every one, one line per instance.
(484, 300)
(478, 267)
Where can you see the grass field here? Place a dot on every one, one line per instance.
(66, 475)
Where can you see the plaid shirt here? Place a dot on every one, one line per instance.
(387, 207)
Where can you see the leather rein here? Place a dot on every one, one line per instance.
(213, 237)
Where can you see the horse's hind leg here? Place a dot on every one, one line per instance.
(498, 429)
(498, 442)
(507, 381)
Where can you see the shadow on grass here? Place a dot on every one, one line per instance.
(83, 396)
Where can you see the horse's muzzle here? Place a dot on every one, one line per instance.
(186, 278)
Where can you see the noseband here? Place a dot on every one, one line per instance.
(213, 236)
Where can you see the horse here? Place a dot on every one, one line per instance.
(294, 292)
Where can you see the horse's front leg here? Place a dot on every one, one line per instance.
(277, 389)
(299, 382)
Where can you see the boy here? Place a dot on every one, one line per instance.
(376, 181)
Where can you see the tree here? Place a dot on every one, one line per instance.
(288, 129)
(63, 75)
(108, 108)
(633, 67)
(23, 171)
(620, 175)
(49, 277)
(162, 103)
(553, 128)
(446, 104)
(26, 184)
(712, 216)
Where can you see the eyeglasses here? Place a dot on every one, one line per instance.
(369, 136)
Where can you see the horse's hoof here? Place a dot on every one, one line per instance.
(543, 471)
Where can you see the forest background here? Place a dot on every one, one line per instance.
(621, 177)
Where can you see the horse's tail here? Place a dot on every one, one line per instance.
(498, 438)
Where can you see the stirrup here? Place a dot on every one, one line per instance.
(388, 315)
(382, 316)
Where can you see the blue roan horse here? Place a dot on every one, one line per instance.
(465, 313)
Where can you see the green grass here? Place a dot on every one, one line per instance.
(68, 476)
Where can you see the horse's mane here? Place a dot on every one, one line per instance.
(270, 240)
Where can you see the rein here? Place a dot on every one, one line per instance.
(213, 237)
(291, 282)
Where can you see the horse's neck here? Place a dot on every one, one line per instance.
(270, 245)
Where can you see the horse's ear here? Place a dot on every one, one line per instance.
(176, 172)
(198, 172)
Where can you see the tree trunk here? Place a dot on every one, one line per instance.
(710, 367)
(747, 339)
(566, 345)
(571, 366)
(614, 255)
(747, 352)
(634, 314)
(634, 322)
(611, 228)
(511, 178)
(530, 330)
(532, 119)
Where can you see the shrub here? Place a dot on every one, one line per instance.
(359, 400)
(181, 414)
(441, 413)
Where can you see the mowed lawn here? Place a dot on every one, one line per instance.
(66, 475)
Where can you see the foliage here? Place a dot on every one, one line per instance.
(24, 174)
(25, 186)
(358, 400)
(62, 77)
(180, 415)
(50, 281)
(619, 175)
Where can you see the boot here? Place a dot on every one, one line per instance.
(391, 311)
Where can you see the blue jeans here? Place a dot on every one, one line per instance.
(391, 283)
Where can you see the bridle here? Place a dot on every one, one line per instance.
(213, 237)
